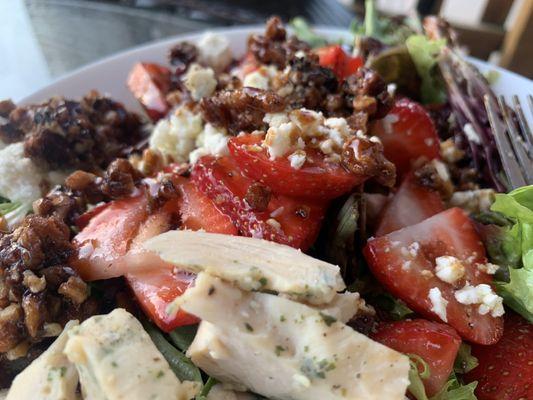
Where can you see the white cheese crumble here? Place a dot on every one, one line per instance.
(484, 296)
(449, 269)
(214, 51)
(200, 81)
(471, 134)
(288, 132)
(438, 303)
(211, 141)
(261, 78)
(176, 136)
(391, 89)
(473, 200)
(22, 181)
(488, 268)
(297, 159)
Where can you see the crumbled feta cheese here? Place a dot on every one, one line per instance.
(482, 294)
(200, 81)
(256, 80)
(260, 78)
(211, 141)
(438, 303)
(310, 122)
(326, 146)
(214, 51)
(471, 134)
(449, 269)
(274, 120)
(291, 131)
(297, 159)
(473, 201)
(176, 136)
(391, 89)
(488, 268)
(279, 139)
(388, 121)
(22, 180)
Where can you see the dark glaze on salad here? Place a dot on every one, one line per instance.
(352, 153)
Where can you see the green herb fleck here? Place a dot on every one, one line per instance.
(282, 318)
(160, 374)
(263, 281)
(114, 364)
(279, 349)
(328, 319)
(249, 327)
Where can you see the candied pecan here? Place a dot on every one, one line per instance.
(182, 55)
(274, 47)
(240, 110)
(64, 134)
(365, 157)
(368, 93)
(119, 179)
(60, 204)
(38, 290)
(258, 196)
(10, 330)
(312, 83)
(74, 289)
(9, 133)
(428, 176)
(6, 106)
(34, 310)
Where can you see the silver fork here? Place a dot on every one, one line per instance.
(513, 140)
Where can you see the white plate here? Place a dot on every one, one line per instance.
(109, 75)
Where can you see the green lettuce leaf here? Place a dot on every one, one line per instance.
(425, 54)
(517, 246)
(465, 361)
(518, 293)
(454, 390)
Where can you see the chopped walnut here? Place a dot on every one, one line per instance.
(365, 157)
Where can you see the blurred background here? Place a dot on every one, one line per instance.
(41, 40)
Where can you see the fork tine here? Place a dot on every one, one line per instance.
(524, 126)
(510, 166)
(517, 142)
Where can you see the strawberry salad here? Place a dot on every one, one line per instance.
(313, 219)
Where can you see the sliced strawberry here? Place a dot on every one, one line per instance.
(199, 212)
(110, 245)
(156, 291)
(335, 58)
(411, 204)
(222, 181)
(150, 83)
(408, 134)
(83, 220)
(404, 262)
(108, 236)
(437, 344)
(505, 370)
(317, 178)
